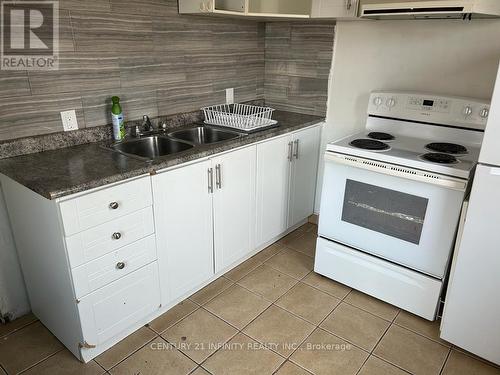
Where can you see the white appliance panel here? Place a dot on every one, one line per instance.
(472, 308)
(406, 221)
(490, 151)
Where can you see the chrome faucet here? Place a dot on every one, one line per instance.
(146, 124)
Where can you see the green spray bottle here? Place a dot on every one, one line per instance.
(118, 120)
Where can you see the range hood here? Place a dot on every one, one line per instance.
(427, 9)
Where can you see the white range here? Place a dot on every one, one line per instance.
(393, 194)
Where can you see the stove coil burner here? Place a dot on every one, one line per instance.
(439, 158)
(381, 136)
(447, 148)
(370, 144)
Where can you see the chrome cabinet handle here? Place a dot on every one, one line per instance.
(210, 180)
(218, 176)
(114, 205)
(116, 235)
(296, 153)
(290, 151)
(348, 4)
(120, 265)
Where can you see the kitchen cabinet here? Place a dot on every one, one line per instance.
(335, 9)
(286, 182)
(304, 169)
(183, 218)
(273, 180)
(89, 261)
(248, 8)
(234, 206)
(102, 263)
(205, 219)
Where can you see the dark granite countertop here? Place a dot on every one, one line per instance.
(57, 173)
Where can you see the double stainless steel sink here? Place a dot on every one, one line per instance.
(160, 144)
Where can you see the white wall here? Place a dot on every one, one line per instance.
(13, 298)
(444, 57)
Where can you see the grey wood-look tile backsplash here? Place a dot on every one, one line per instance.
(161, 63)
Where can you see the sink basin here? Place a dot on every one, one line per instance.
(203, 135)
(151, 147)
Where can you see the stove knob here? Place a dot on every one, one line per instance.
(377, 101)
(468, 111)
(391, 102)
(484, 113)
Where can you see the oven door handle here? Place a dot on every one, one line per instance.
(397, 171)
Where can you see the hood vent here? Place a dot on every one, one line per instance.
(444, 9)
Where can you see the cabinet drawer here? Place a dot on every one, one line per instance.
(104, 205)
(98, 241)
(112, 309)
(102, 271)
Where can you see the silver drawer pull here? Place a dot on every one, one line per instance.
(114, 205)
(120, 265)
(117, 236)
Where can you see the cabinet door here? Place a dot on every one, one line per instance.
(273, 175)
(183, 220)
(334, 9)
(304, 174)
(234, 206)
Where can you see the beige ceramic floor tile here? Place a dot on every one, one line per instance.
(243, 356)
(420, 325)
(65, 363)
(375, 366)
(211, 291)
(199, 335)
(306, 244)
(372, 305)
(327, 285)
(356, 325)
(268, 252)
(412, 352)
(292, 263)
(200, 371)
(156, 358)
(308, 303)
(26, 347)
(461, 364)
(268, 282)
(173, 315)
(21, 322)
(325, 354)
(237, 306)
(243, 269)
(126, 347)
(290, 368)
(291, 236)
(280, 330)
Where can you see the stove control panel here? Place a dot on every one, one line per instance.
(456, 111)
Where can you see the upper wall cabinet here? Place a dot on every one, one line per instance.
(335, 9)
(271, 9)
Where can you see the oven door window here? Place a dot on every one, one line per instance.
(386, 211)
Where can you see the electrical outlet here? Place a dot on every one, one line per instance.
(69, 120)
(230, 96)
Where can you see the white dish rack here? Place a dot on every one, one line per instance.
(243, 117)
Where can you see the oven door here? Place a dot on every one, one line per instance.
(406, 216)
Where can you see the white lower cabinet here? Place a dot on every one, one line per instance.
(273, 180)
(204, 215)
(183, 218)
(100, 264)
(286, 182)
(234, 206)
(304, 169)
(115, 307)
